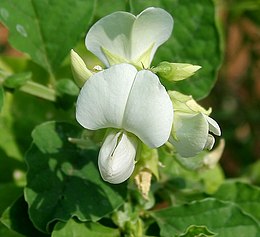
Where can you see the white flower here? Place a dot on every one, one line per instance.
(122, 37)
(133, 102)
(191, 126)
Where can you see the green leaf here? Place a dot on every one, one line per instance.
(67, 92)
(8, 194)
(20, 114)
(195, 40)
(67, 86)
(203, 180)
(1, 97)
(222, 218)
(74, 228)
(107, 7)
(46, 30)
(17, 80)
(4, 231)
(16, 218)
(63, 180)
(245, 195)
(252, 173)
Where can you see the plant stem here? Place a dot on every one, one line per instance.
(38, 90)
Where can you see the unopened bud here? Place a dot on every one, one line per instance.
(175, 71)
(79, 70)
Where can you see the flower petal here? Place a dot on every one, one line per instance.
(210, 143)
(122, 37)
(102, 99)
(152, 27)
(113, 33)
(149, 112)
(116, 158)
(213, 126)
(191, 133)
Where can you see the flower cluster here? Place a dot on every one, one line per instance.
(128, 98)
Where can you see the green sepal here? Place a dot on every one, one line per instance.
(186, 104)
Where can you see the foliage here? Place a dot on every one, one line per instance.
(49, 181)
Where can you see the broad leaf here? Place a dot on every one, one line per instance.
(63, 180)
(222, 218)
(46, 30)
(245, 195)
(195, 40)
(75, 228)
(16, 218)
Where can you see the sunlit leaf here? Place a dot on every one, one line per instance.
(63, 180)
(46, 30)
(75, 228)
(194, 40)
(222, 218)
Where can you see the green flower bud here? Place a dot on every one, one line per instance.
(175, 71)
(79, 70)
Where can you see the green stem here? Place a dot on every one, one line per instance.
(38, 90)
(34, 88)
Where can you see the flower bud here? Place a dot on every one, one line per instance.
(79, 70)
(175, 71)
(191, 126)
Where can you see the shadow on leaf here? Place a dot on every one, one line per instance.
(63, 180)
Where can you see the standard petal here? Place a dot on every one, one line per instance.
(149, 112)
(113, 33)
(122, 37)
(152, 27)
(191, 133)
(116, 158)
(102, 99)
